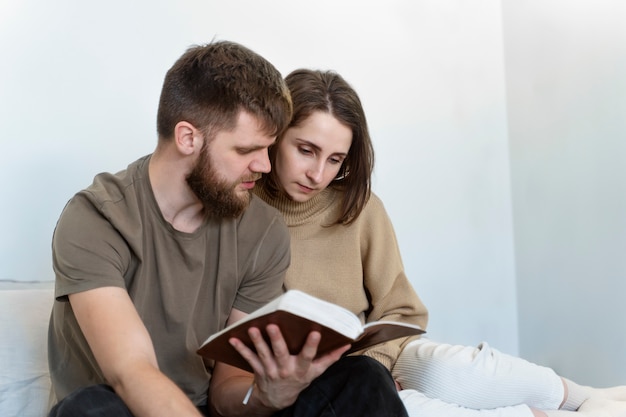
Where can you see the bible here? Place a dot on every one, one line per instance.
(297, 314)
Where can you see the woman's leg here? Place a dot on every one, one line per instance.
(419, 405)
(477, 377)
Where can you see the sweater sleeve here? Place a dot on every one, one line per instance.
(392, 297)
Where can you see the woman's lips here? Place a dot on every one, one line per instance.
(305, 189)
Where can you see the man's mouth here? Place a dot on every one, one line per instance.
(248, 183)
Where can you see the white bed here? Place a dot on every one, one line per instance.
(24, 378)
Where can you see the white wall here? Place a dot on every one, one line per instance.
(79, 84)
(566, 86)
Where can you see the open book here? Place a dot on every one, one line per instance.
(297, 314)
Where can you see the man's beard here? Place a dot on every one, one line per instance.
(218, 197)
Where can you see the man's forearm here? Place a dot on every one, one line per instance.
(150, 393)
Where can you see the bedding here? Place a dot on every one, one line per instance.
(24, 378)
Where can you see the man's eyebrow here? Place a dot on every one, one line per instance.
(256, 147)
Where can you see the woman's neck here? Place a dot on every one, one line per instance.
(300, 212)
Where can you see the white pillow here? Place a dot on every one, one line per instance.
(24, 376)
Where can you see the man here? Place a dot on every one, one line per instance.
(152, 260)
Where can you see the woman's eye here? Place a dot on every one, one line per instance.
(305, 151)
(335, 161)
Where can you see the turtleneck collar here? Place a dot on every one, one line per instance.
(324, 204)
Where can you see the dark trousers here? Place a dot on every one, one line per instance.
(355, 386)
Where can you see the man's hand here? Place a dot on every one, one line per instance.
(279, 377)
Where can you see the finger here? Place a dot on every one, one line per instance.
(309, 350)
(279, 345)
(248, 355)
(288, 363)
(263, 351)
(323, 362)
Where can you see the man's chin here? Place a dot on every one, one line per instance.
(246, 195)
(229, 209)
(243, 196)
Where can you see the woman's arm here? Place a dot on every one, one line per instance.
(392, 296)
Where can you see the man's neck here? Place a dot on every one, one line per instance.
(178, 205)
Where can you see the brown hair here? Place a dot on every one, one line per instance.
(209, 85)
(327, 91)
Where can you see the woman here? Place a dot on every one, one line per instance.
(344, 250)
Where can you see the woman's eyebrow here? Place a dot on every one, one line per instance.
(319, 149)
(308, 143)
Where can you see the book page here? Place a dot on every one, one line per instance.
(383, 331)
(323, 312)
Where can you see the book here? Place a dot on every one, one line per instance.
(297, 314)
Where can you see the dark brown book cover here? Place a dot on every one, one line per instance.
(295, 330)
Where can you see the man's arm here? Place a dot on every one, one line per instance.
(278, 378)
(123, 349)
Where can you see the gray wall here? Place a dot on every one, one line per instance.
(566, 88)
(79, 84)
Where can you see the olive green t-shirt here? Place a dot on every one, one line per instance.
(183, 285)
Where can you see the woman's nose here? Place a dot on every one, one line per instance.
(316, 173)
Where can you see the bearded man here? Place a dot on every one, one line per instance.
(152, 260)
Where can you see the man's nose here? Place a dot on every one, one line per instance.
(261, 163)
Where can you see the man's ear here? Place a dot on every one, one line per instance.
(187, 138)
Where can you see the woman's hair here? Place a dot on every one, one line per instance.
(210, 85)
(326, 91)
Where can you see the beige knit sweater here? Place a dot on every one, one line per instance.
(356, 266)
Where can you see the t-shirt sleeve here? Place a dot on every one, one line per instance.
(266, 267)
(87, 252)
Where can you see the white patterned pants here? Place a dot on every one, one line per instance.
(462, 381)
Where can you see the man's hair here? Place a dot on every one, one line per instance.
(210, 85)
(328, 92)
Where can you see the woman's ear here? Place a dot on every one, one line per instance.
(187, 138)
